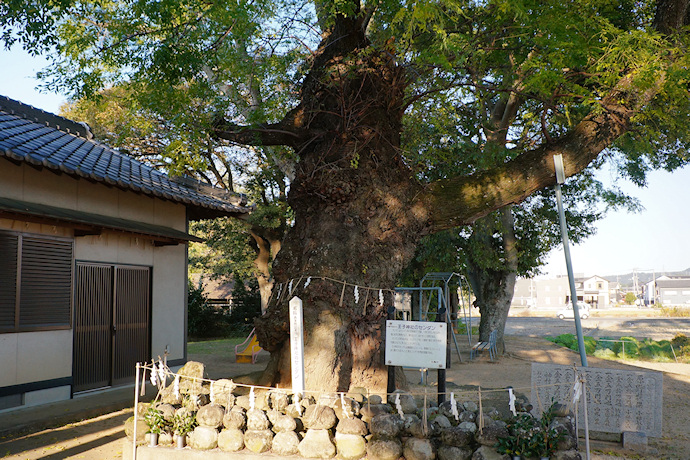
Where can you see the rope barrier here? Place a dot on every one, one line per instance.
(468, 393)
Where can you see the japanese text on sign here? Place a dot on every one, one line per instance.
(416, 344)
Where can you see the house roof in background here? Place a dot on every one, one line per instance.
(213, 288)
(45, 140)
(673, 283)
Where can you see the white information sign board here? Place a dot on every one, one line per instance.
(297, 345)
(420, 344)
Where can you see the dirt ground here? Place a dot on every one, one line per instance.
(101, 438)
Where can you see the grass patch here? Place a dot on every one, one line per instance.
(675, 312)
(462, 329)
(217, 346)
(645, 349)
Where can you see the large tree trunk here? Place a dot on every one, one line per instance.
(356, 221)
(359, 212)
(494, 286)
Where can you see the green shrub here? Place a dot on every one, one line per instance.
(203, 320)
(566, 340)
(684, 352)
(680, 341)
(462, 329)
(570, 341)
(630, 298)
(656, 351)
(605, 353)
(629, 350)
(246, 305)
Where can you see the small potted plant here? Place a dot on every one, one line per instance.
(544, 441)
(156, 424)
(517, 444)
(184, 422)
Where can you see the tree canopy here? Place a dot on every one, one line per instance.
(571, 66)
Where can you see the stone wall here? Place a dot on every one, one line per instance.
(235, 418)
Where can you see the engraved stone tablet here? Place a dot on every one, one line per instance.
(617, 400)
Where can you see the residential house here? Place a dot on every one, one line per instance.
(94, 259)
(594, 290)
(553, 293)
(673, 291)
(650, 293)
(217, 292)
(541, 293)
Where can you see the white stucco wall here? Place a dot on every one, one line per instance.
(50, 353)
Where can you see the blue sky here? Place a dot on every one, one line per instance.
(654, 239)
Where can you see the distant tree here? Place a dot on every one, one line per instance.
(203, 320)
(246, 304)
(630, 298)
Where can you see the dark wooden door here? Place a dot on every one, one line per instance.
(131, 321)
(111, 324)
(93, 318)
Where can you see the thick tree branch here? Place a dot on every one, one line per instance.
(287, 132)
(461, 200)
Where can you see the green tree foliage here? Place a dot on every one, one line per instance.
(630, 298)
(246, 305)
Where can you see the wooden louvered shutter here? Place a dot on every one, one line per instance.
(8, 281)
(45, 283)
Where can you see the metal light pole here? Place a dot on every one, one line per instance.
(560, 178)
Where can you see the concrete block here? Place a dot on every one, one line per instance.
(635, 441)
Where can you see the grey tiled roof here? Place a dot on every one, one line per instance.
(49, 141)
(674, 283)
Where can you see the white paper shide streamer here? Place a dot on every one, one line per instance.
(346, 410)
(212, 392)
(398, 406)
(454, 406)
(298, 404)
(161, 372)
(577, 391)
(290, 288)
(356, 294)
(381, 297)
(306, 283)
(511, 401)
(176, 386)
(154, 375)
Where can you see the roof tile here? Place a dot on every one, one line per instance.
(43, 143)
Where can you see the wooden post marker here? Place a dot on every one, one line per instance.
(297, 345)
